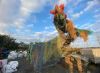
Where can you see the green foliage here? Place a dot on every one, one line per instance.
(8, 42)
(23, 46)
(29, 52)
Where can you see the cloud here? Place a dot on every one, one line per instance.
(34, 37)
(49, 28)
(95, 27)
(86, 26)
(63, 2)
(76, 2)
(97, 11)
(9, 10)
(33, 5)
(46, 35)
(76, 15)
(2, 28)
(23, 38)
(14, 13)
(97, 17)
(27, 7)
(91, 42)
(89, 6)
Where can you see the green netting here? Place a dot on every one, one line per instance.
(51, 51)
(29, 53)
(81, 30)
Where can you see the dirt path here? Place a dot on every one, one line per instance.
(26, 67)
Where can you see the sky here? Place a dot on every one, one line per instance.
(30, 20)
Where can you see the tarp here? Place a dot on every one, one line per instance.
(12, 55)
(11, 66)
(3, 65)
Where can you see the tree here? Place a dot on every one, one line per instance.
(8, 42)
(23, 46)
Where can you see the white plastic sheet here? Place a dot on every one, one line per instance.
(12, 66)
(20, 54)
(12, 55)
(4, 63)
(25, 53)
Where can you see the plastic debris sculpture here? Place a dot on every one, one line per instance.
(64, 25)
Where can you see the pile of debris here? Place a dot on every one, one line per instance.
(8, 61)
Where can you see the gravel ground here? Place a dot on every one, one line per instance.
(26, 67)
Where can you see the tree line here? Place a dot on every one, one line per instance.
(10, 43)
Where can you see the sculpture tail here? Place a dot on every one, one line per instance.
(83, 33)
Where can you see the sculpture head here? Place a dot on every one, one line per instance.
(59, 9)
(59, 15)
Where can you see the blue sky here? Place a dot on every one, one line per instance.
(30, 20)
